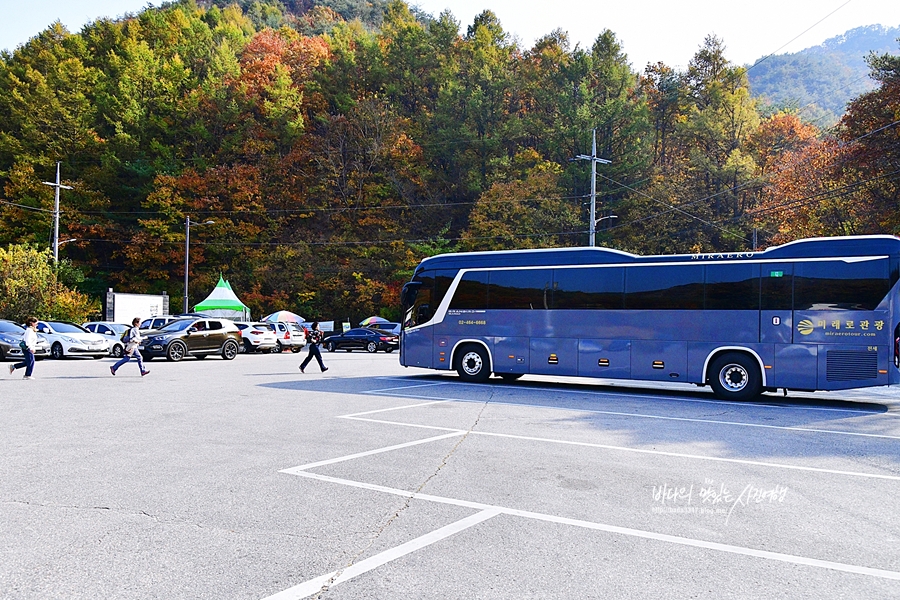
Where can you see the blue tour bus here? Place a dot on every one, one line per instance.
(815, 314)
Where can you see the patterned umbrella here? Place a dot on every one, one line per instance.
(372, 321)
(284, 316)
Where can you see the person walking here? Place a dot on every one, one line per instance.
(313, 339)
(132, 341)
(29, 340)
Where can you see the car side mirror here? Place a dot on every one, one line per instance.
(191, 330)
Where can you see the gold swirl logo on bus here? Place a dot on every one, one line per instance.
(806, 327)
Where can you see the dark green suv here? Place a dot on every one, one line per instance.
(199, 337)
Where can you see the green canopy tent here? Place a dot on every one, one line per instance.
(222, 302)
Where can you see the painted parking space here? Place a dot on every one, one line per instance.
(850, 421)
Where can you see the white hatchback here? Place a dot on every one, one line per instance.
(69, 339)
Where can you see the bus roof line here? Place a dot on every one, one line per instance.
(846, 259)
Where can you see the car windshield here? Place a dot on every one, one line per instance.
(61, 327)
(7, 327)
(179, 325)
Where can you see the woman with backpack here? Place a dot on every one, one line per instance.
(132, 339)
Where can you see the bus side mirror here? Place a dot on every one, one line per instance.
(409, 292)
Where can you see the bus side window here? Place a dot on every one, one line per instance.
(520, 289)
(776, 284)
(732, 287)
(471, 293)
(588, 288)
(667, 287)
(839, 285)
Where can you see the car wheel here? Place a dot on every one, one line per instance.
(56, 351)
(229, 350)
(248, 347)
(296, 349)
(278, 347)
(371, 347)
(176, 351)
(330, 346)
(118, 351)
(735, 376)
(473, 364)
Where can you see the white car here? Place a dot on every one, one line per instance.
(113, 332)
(69, 339)
(257, 337)
(289, 335)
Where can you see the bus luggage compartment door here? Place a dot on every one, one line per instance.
(654, 360)
(510, 355)
(554, 356)
(605, 358)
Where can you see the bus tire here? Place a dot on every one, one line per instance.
(735, 376)
(473, 364)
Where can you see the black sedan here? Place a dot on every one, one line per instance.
(371, 340)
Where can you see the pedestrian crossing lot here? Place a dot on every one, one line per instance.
(247, 479)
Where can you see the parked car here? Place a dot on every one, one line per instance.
(155, 322)
(392, 328)
(10, 336)
(362, 338)
(192, 337)
(112, 332)
(257, 337)
(69, 339)
(289, 335)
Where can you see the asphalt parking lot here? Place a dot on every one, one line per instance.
(247, 479)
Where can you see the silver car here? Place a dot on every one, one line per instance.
(113, 332)
(10, 336)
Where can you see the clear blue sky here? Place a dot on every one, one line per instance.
(650, 30)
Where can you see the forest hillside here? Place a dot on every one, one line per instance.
(333, 146)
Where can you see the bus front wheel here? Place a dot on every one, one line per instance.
(473, 364)
(735, 376)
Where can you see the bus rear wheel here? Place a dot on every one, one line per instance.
(473, 364)
(735, 376)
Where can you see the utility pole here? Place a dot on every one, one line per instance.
(187, 251)
(56, 185)
(594, 160)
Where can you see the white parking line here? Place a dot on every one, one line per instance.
(488, 511)
(379, 410)
(314, 586)
(331, 461)
(639, 450)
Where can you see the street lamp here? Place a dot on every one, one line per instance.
(610, 217)
(187, 252)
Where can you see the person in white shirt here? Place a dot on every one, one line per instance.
(30, 341)
(132, 341)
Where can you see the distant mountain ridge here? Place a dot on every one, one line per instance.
(819, 81)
